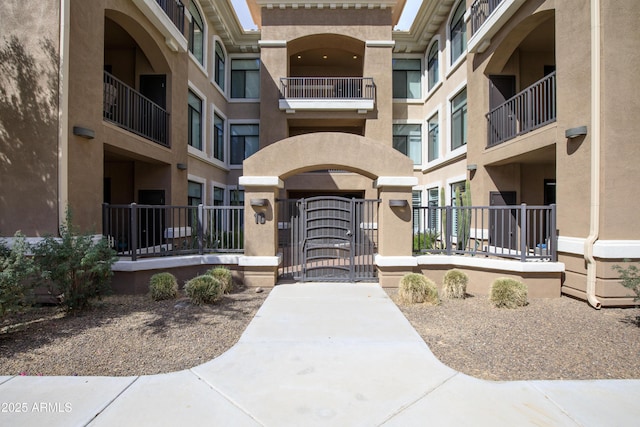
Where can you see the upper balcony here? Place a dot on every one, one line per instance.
(327, 93)
(487, 17)
(130, 110)
(168, 17)
(530, 109)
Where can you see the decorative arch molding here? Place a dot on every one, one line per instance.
(328, 150)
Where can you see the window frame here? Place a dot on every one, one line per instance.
(233, 88)
(197, 95)
(417, 161)
(433, 148)
(460, 27)
(201, 61)
(430, 71)
(218, 139)
(219, 73)
(395, 72)
(464, 122)
(231, 141)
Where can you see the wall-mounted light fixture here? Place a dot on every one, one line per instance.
(182, 166)
(472, 167)
(83, 132)
(575, 132)
(398, 203)
(259, 202)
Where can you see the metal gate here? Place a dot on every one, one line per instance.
(328, 239)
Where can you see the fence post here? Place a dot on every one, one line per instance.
(553, 235)
(200, 229)
(523, 232)
(134, 231)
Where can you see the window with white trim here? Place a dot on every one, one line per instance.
(433, 73)
(433, 202)
(244, 141)
(219, 65)
(194, 193)
(407, 76)
(245, 78)
(407, 138)
(195, 120)
(433, 138)
(196, 33)
(218, 137)
(218, 196)
(458, 33)
(459, 120)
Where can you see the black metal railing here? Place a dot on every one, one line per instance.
(530, 109)
(134, 112)
(341, 88)
(175, 11)
(480, 12)
(520, 232)
(139, 231)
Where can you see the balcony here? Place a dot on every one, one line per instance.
(530, 109)
(168, 17)
(130, 110)
(487, 17)
(327, 93)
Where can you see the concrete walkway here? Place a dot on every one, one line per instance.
(318, 354)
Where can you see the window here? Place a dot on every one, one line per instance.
(459, 120)
(237, 197)
(245, 78)
(196, 33)
(219, 66)
(416, 202)
(458, 33)
(406, 78)
(194, 193)
(218, 137)
(432, 203)
(244, 142)
(218, 196)
(408, 140)
(195, 121)
(433, 139)
(432, 66)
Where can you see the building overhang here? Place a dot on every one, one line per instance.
(361, 105)
(173, 37)
(481, 39)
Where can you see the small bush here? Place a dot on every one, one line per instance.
(224, 275)
(629, 278)
(16, 267)
(416, 288)
(204, 289)
(163, 286)
(509, 293)
(455, 284)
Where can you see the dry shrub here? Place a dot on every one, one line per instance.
(455, 284)
(163, 286)
(204, 289)
(509, 293)
(416, 288)
(224, 275)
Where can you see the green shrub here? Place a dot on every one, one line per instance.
(16, 268)
(455, 284)
(509, 293)
(75, 267)
(163, 286)
(224, 275)
(416, 288)
(204, 289)
(629, 278)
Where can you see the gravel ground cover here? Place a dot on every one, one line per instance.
(132, 335)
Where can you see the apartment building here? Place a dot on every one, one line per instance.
(166, 102)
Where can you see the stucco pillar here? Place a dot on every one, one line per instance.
(395, 229)
(260, 260)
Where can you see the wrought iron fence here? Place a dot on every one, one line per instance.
(520, 232)
(530, 109)
(480, 12)
(139, 231)
(134, 112)
(175, 11)
(327, 87)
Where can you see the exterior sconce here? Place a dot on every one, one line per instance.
(83, 132)
(181, 166)
(259, 202)
(575, 132)
(398, 203)
(472, 167)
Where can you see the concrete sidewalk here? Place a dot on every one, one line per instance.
(318, 354)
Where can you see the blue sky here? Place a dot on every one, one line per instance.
(408, 14)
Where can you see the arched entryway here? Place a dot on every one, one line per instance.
(391, 174)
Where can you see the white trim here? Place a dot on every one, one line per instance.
(492, 264)
(326, 104)
(481, 40)
(216, 39)
(259, 261)
(604, 249)
(225, 132)
(173, 37)
(272, 43)
(571, 245)
(434, 39)
(380, 43)
(205, 34)
(261, 181)
(396, 181)
(452, 66)
(174, 261)
(448, 152)
(203, 116)
(396, 261)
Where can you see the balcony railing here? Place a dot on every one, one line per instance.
(175, 11)
(134, 112)
(530, 109)
(480, 11)
(336, 88)
(139, 231)
(525, 233)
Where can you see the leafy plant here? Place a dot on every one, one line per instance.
(416, 288)
(223, 274)
(425, 241)
(76, 267)
(16, 268)
(629, 278)
(455, 284)
(463, 200)
(163, 286)
(204, 289)
(508, 293)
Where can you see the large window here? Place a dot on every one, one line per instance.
(195, 121)
(237, 197)
(432, 203)
(244, 142)
(459, 120)
(218, 137)
(458, 33)
(433, 139)
(219, 65)
(432, 66)
(218, 196)
(245, 78)
(406, 78)
(194, 192)
(407, 139)
(196, 33)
